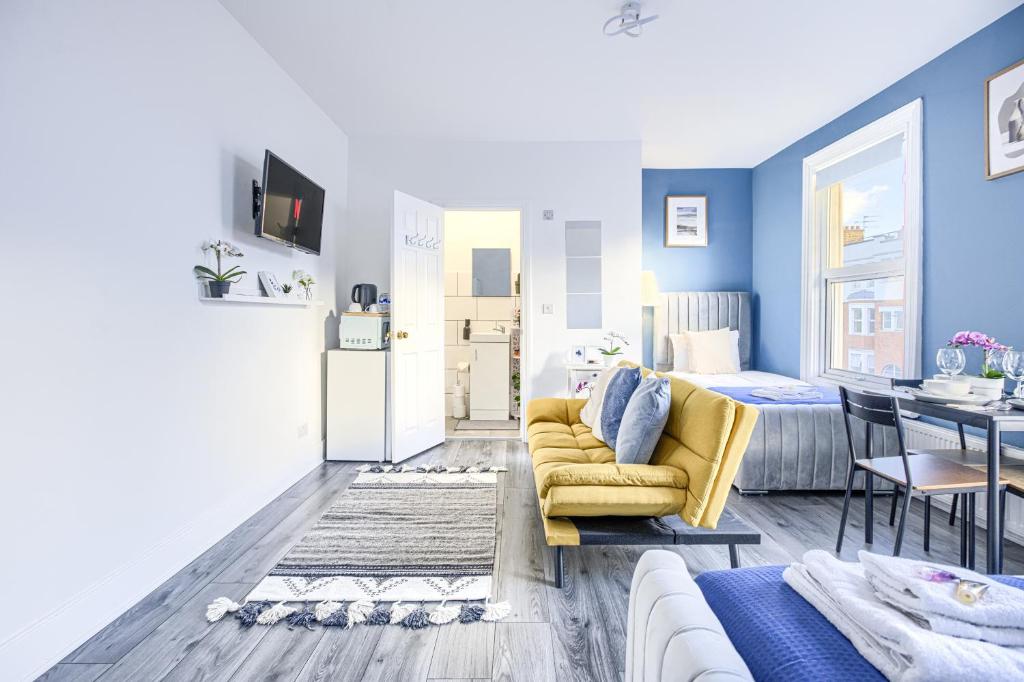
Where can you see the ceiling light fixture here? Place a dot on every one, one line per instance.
(628, 21)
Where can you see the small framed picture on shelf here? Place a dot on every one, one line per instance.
(578, 355)
(271, 287)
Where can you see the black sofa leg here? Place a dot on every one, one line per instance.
(734, 557)
(559, 568)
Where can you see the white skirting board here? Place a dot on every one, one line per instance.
(921, 435)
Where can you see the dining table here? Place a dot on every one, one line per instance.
(995, 422)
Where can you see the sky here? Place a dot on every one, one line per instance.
(874, 198)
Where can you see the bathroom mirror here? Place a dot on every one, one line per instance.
(492, 272)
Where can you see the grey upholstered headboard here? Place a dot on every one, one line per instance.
(701, 311)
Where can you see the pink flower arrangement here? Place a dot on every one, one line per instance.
(978, 339)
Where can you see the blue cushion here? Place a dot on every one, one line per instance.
(643, 421)
(616, 397)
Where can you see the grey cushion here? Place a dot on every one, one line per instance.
(643, 421)
(616, 397)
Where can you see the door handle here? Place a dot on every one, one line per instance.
(402, 335)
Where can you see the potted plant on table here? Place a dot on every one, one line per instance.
(219, 282)
(989, 382)
(612, 351)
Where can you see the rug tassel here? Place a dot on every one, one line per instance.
(472, 470)
(363, 468)
(493, 612)
(381, 615)
(302, 619)
(387, 468)
(399, 611)
(337, 618)
(324, 609)
(274, 614)
(443, 615)
(497, 470)
(220, 607)
(471, 613)
(358, 611)
(417, 619)
(250, 611)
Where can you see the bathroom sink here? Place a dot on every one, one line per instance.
(488, 337)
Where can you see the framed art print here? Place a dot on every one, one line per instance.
(686, 221)
(1004, 122)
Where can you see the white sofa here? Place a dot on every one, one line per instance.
(672, 632)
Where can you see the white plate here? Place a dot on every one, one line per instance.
(1016, 402)
(969, 399)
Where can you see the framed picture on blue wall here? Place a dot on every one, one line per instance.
(686, 220)
(1004, 122)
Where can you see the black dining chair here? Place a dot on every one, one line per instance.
(921, 473)
(1011, 469)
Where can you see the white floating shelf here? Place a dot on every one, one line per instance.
(266, 300)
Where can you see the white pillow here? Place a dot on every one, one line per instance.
(680, 353)
(590, 415)
(713, 352)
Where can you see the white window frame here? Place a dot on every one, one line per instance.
(816, 275)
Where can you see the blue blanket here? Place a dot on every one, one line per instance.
(829, 396)
(779, 634)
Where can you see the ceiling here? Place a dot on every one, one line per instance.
(709, 84)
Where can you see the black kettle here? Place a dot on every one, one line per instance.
(364, 294)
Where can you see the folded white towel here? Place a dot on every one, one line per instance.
(901, 580)
(892, 641)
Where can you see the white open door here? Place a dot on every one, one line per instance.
(417, 327)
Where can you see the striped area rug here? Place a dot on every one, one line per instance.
(412, 547)
(395, 536)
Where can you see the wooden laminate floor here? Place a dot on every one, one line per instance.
(576, 633)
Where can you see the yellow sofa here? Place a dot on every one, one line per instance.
(689, 475)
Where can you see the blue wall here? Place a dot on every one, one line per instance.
(726, 263)
(973, 228)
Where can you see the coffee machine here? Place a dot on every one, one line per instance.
(365, 295)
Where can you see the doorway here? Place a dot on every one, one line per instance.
(483, 296)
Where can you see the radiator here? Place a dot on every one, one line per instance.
(924, 436)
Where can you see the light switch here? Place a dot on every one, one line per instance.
(547, 309)
(549, 214)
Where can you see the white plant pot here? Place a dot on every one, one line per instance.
(987, 388)
(610, 360)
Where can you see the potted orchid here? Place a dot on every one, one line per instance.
(304, 280)
(990, 379)
(613, 350)
(219, 282)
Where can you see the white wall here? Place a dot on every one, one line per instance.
(137, 424)
(578, 180)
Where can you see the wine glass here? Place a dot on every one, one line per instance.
(951, 361)
(1013, 366)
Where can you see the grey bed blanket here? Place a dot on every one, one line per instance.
(803, 447)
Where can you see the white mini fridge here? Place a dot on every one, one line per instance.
(357, 406)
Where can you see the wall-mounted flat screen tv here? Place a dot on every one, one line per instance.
(292, 208)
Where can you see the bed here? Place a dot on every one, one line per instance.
(741, 624)
(794, 446)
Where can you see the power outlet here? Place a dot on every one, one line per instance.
(549, 214)
(303, 429)
(547, 309)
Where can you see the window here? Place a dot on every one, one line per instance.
(583, 274)
(892, 318)
(892, 371)
(862, 253)
(862, 361)
(862, 319)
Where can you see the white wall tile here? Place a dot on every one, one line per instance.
(460, 308)
(465, 284)
(497, 308)
(451, 284)
(452, 333)
(453, 355)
